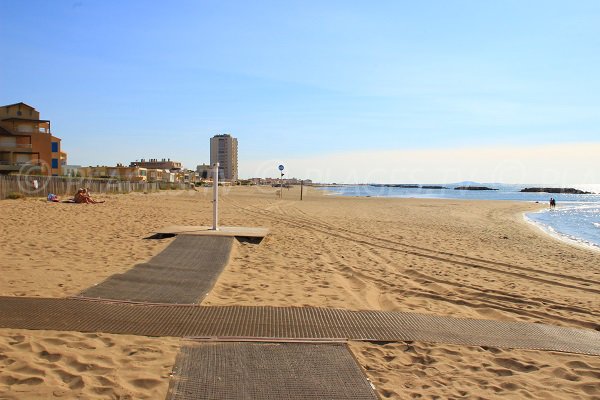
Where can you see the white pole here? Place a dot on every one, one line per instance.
(215, 226)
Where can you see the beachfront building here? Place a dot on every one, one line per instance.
(187, 176)
(120, 172)
(26, 142)
(224, 150)
(131, 174)
(71, 170)
(204, 171)
(155, 163)
(276, 181)
(92, 172)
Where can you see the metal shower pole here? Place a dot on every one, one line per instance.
(215, 226)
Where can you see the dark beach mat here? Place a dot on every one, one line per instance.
(268, 371)
(183, 273)
(287, 323)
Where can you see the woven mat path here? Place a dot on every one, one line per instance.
(286, 323)
(183, 273)
(268, 371)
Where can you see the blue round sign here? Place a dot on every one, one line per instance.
(281, 167)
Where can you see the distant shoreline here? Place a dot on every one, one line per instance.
(524, 188)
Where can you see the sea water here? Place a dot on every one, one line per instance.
(574, 222)
(576, 218)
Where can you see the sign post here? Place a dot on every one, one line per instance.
(215, 226)
(281, 167)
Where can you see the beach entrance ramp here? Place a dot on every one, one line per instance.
(183, 273)
(268, 371)
(234, 231)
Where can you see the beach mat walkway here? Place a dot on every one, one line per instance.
(183, 273)
(268, 371)
(286, 323)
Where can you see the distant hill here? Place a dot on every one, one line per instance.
(555, 190)
(473, 188)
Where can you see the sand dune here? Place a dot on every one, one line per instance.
(459, 258)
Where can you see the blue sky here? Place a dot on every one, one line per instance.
(303, 80)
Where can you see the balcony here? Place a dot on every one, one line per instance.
(20, 163)
(9, 167)
(12, 146)
(27, 167)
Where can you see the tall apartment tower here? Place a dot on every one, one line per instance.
(224, 150)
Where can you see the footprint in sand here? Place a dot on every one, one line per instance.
(389, 358)
(590, 389)
(145, 383)
(578, 364)
(562, 373)
(54, 341)
(16, 340)
(514, 365)
(64, 375)
(510, 386)
(29, 370)
(11, 380)
(49, 356)
(4, 359)
(500, 371)
(77, 383)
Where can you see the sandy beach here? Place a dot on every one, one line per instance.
(472, 259)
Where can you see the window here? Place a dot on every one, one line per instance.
(55, 147)
(55, 163)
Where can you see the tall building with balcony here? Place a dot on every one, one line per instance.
(224, 150)
(26, 142)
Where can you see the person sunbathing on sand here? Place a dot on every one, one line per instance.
(82, 197)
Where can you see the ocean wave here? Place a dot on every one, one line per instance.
(596, 224)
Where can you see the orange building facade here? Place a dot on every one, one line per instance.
(26, 142)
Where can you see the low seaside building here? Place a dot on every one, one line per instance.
(71, 170)
(120, 172)
(277, 181)
(27, 144)
(132, 174)
(204, 171)
(155, 163)
(187, 176)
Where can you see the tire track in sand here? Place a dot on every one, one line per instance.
(472, 295)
